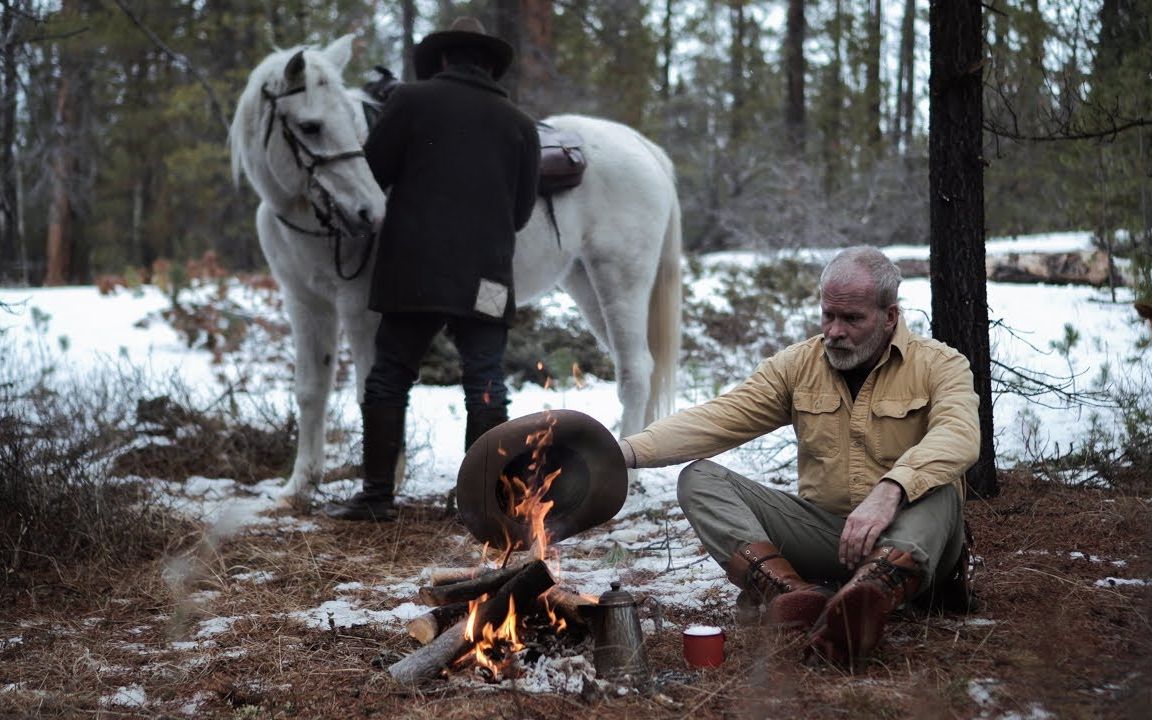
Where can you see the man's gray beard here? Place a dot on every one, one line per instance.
(858, 355)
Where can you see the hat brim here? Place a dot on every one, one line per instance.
(426, 54)
(589, 490)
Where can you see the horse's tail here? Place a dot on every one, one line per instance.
(664, 305)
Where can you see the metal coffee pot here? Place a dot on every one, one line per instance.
(618, 652)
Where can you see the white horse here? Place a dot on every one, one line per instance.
(297, 135)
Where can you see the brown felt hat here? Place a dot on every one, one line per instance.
(464, 31)
(589, 490)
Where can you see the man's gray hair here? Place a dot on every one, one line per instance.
(885, 275)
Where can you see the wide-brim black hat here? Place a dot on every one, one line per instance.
(464, 32)
(589, 489)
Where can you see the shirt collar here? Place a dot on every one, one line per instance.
(899, 341)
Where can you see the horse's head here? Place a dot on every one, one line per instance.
(298, 135)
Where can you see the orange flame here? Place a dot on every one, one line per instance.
(495, 647)
(578, 376)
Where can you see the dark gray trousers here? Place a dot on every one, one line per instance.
(728, 510)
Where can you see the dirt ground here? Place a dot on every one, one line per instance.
(1053, 637)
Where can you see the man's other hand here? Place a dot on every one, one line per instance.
(868, 520)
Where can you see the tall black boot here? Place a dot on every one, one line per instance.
(481, 421)
(383, 443)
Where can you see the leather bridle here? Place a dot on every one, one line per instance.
(332, 219)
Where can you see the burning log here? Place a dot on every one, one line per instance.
(464, 590)
(567, 603)
(521, 591)
(431, 624)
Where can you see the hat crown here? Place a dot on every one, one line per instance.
(468, 24)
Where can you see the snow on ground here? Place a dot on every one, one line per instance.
(82, 332)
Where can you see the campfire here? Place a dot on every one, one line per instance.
(482, 618)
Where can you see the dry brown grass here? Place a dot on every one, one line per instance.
(1047, 637)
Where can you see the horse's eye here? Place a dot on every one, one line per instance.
(310, 127)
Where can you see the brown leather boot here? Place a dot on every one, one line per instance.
(851, 625)
(383, 444)
(764, 574)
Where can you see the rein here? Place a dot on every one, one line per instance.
(327, 212)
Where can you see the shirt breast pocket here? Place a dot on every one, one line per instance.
(896, 426)
(817, 423)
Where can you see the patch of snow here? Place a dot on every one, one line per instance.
(256, 577)
(1115, 581)
(344, 613)
(192, 705)
(129, 696)
(215, 626)
(348, 586)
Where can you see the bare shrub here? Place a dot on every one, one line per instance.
(60, 507)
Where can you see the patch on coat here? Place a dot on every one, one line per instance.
(491, 298)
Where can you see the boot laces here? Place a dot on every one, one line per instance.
(888, 573)
(758, 571)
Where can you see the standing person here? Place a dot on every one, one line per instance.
(886, 423)
(458, 162)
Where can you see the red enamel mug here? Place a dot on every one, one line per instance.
(704, 646)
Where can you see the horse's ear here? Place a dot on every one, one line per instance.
(340, 51)
(294, 70)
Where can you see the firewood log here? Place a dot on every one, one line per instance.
(567, 603)
(431, 624)
(465, 590)
(522, 590)
(449, 575)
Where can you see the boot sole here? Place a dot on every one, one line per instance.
(797, 610)
(853, 626)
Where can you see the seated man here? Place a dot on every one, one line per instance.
(886, 423)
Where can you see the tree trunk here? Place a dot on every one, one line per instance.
(9, 200)
(956, 191)
(508, 25)
(905, 80)
(834, 99)
(408, 21)
(872, 91)
(58, 256)
(794, 70)
(666, 50)
(736, 70)
(536, 58)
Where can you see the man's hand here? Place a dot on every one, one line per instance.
(868, 520)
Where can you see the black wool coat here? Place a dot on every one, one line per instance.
(459, 162)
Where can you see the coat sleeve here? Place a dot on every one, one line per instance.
(759, 405)
(385, 147)
(529, 171)
(952, 443)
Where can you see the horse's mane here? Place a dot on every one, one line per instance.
(248, 122)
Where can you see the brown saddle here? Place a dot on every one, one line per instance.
(562, 161)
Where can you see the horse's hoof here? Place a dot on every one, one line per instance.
(290, 500)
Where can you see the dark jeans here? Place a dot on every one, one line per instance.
(403, 340)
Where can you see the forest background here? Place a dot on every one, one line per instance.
(791, 122)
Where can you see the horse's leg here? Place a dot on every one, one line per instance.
(614, 299)
(313, 320)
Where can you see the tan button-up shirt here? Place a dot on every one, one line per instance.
(914, 421)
